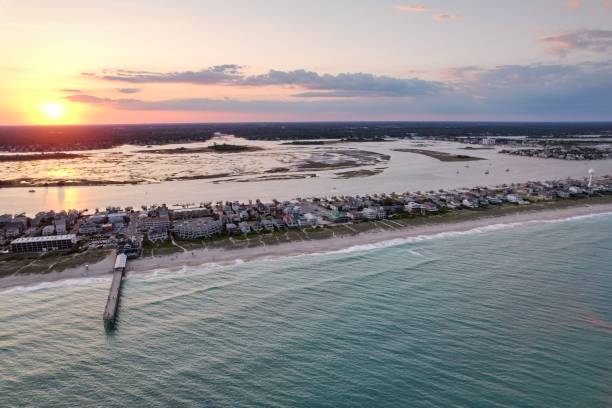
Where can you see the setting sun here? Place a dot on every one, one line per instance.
(53, 110)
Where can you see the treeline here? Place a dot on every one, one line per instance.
(59, 138)
(56, 138)
(371, 130)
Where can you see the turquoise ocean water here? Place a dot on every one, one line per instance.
(499, 317)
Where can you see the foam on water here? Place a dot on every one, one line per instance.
(211, 266)
(502, 316)
(452, 234)
(62, 283)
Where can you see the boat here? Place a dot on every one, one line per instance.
(487, 172)
(31, 191)
(507, 170)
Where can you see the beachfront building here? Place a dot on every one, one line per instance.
(129, 247)
(307, 220)
(187, 213)
(413, 207)
(268, 225)
(117, 218)
(98, 218)
(338, 216)
(60, 226)
(43, 244)
(368, 213)
(161, 222)
(245, 227)
(157, 234)
(198, 228)
(20, 221)
(42, 217)
(11, 230)
(512, 198)
(48, 230)
(88, 228)
(469, 203)
(231, 228)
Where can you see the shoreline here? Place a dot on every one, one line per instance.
(225, 256)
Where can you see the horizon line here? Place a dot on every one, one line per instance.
(311, 122)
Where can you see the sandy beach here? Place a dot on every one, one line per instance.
(362, 240)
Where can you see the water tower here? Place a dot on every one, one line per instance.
(591, 171)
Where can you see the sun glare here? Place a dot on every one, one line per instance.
(53, 111)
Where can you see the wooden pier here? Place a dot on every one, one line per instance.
(110, 311)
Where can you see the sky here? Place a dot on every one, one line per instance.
(155, 61)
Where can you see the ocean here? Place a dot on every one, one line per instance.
(503, 316)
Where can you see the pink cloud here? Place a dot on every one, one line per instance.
(574, 5)
(599, 41)
(412, 8)
(440, 18)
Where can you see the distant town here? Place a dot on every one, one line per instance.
(564, 153)
(81, 137)
(137, 232)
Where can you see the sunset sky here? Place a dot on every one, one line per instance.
(74, 61)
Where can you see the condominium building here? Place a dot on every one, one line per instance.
(198, 228)
(43, 244)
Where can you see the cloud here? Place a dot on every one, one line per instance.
(577, 91)
(534, 92)
(88, 99)
(193, 104)
(599, 41)
(128, 90)
(321, 85)
(218, 74)
(575, 5)
(440, 18)
(412, 8)
(71, 90)
(344, 85)
(420, 8)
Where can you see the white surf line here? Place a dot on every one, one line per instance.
(460, 232)
(426, 236)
